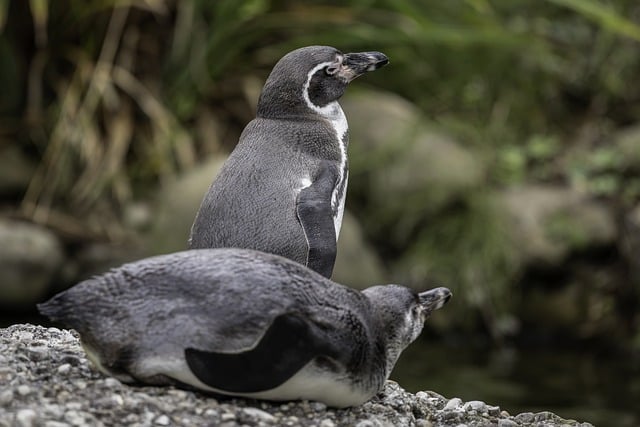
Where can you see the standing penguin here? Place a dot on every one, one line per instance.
(282, 189)
(243, 323)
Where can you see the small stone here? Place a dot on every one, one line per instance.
(544, 416)
(327, 423)
(507, 423)
(476, 405)
(111, 382)
(284, 407)
(259, 414)
(494, 411)
(64, 369)
(56, 424)
(117, 399)
(74, 406)
(23, 390)
(318, 406)
(74, 418)
(6, 397)
(227, 416)
(24, 336)
(26, 418)
(525, 417)
(453, 404)
(453, 416)
(162, 420)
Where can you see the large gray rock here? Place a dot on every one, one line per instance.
(357, 264)
(30, 257)
(549, 222)
(46, 380)
(176, 205)
(407, 168)
(16, 170)
(627, 141)
(630, 242)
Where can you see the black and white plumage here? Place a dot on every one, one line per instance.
(245, 323)
(282, 190)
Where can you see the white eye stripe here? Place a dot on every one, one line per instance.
(327, 109)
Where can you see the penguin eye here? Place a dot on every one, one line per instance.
(332, 69)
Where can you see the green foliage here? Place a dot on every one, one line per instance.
(109, 96)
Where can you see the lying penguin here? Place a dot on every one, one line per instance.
(282, 189)
(243, 323)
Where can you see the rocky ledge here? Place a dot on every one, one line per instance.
(45, 380)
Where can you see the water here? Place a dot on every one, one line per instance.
(575, 384)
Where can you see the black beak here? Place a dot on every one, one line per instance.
(356, 64)
(434, 299)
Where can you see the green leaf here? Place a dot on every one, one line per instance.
(605, 16)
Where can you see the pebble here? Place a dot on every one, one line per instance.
(318, 406)
(453, 404)
(327, 423)
(162, 420)
(525, 417)
(493, 410)
(259, 414)
(26, 417)
(52, 423)
(6, 396)
(228, 416)
(23, 390)
(111, 382)
(507, 423)
(64, 369)
(476, 405)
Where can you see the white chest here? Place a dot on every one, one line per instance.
(309, 383)
(333, 113)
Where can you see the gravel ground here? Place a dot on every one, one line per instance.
(45, 380)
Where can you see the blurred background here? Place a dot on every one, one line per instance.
(498, 155)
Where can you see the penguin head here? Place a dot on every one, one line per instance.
(401, 314)
(308, 79)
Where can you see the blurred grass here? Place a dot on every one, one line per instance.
(107, 97)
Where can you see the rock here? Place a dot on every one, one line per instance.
(176, 205)
(550, 222)
(406, 169)
(98, 257)
(357, 264)
(627, 141)
(630, 242)
(83, 396)
(30, 257)
(16, 170)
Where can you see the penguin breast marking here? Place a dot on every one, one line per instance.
(334, 114)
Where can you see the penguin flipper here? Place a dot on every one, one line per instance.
(314, 212)
(290, 343)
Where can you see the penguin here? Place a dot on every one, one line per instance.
(282, 189)
(238, 322)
